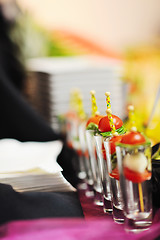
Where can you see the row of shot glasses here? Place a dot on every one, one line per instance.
(115, 165)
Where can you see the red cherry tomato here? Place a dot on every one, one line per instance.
(70, 145)
(94, 119)
(133, 138)
(71, 115)
(104, 152)
(86, 154)
(79, 152)
(95, 153)
(112, 141)
(104, 125)
(115, 174)
(136, 177)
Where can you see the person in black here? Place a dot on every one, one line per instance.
(20, 121)
(17, 118)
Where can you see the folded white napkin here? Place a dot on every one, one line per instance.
(32, 166)
(18, 156)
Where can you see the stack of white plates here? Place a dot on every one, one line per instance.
(85, 73)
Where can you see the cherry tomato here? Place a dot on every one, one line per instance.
(94, 119)
(112, 141)
(115, 174)
(86, 154)
(70, 145)
(136, 177)
(79, 152)
(71, 115)
(104, 125)
(95, 154)
(133, 138)
(104, 152)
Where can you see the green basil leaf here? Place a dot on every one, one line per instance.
(92, 126)
(114, 160)
(120, 131)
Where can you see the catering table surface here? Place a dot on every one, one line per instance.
(63, 215)
(44, 216)
(32, 205)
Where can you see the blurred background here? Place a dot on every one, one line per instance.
(90, 44)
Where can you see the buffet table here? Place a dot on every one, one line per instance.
(94, 225)
(61, 215)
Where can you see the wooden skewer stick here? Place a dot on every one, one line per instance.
(141, 197)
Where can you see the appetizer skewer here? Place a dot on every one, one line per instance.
(136, 167)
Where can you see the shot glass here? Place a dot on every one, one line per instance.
(97, 185)
(104, 175)
(85, 159)
(134, 165)
(74, 142)
(116, 194)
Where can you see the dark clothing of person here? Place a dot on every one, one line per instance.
(34, 205)
(18, 120)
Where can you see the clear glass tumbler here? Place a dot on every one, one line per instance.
(74, 142)
(85, 159)
(104, 175)
(116, 194)
(134, 164)
(97, 185)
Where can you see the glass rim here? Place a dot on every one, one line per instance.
(132, 146)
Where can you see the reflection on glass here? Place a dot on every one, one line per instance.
(103, 168)
(85, 159)
(117, 201)
(134, 165)
(97, 185)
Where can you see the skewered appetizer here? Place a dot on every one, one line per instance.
(104, 128)
(137, 167)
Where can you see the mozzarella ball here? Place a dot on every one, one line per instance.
(136, 162)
